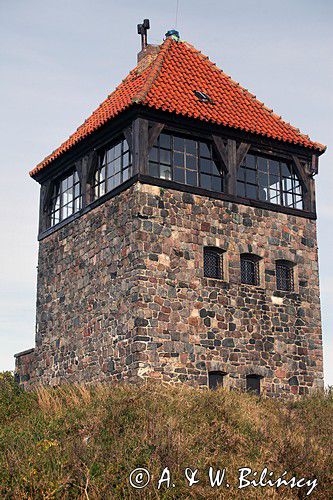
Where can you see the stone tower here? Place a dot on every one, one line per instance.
(177, 238)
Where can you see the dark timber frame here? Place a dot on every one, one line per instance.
(141, 128)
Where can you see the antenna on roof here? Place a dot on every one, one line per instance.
(142, 30)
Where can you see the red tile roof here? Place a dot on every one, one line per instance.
(167, 80)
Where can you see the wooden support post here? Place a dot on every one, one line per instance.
(308, 185)
(140, 146)
(44, 202)
(230, 158)
(154, 133)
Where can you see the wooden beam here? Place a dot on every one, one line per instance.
(314, 164)
(140, 146)
(242, 151)
(153, 134)
(128, 133)
(300, 171)
(221, 151)
(231, 178)
(44, 201)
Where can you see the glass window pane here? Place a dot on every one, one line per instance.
(191, 178)
(205, 181)
(205, 150)
(262, 164)
(274, 167)
(263, 179)
(241, 174)
(251, 191)
(217, 184)
(215, 170)
(251, 176)
(154, 170)
(125, 174)
(191, 162)
(178, 144)
(241, 189)
(165, 156)
(205, 166)
(153, 154)
(117, 150)
(250, 161)
(179, 175)
(191, 147)
(285, 172)
(178, 159)
(165, 141)
(263, 193)
(165, 172)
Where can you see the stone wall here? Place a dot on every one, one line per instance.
(121, 295)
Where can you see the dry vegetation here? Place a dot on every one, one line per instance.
(83, 442)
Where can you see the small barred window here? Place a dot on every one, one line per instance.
(284, 275)
(215, 380)
(66, 198)
(250, 269)
(253, 383)
(213, 263)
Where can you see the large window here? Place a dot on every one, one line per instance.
(66, 198)
(249, 269)
(185, 161)
(114, 168)
(284, 275)
(269, 180)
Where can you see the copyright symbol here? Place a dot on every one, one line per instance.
(139, 478)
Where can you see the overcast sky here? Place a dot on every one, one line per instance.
(60, 59)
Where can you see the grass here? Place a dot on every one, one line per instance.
(82, 442)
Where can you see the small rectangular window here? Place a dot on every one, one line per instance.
(250, 269)
(253, 383)
(284, 275)
(215, 380)
(213, 263)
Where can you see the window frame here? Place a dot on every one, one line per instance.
(290, 275)
(296, 189)
(56, 202)
(199, 171)
(218, 253)
(104, 163)
(255, 261)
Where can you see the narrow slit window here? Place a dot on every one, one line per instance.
(213, 263)
(253, 383)
(284, 275)
(215, 380)
(250, 269)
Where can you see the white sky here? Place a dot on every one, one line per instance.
(60, 59)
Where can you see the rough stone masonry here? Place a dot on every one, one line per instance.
(122, 296)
